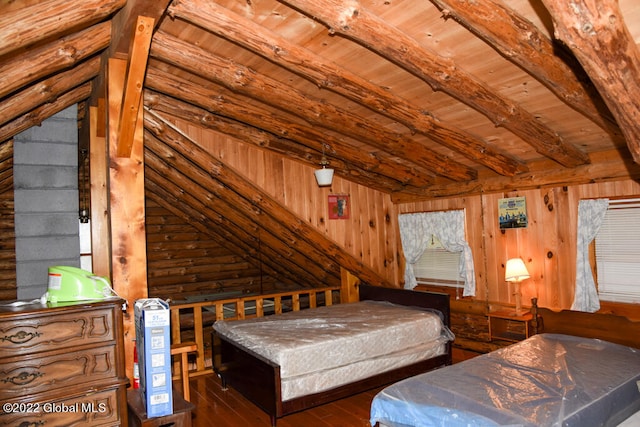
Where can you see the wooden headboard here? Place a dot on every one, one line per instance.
(608, 327)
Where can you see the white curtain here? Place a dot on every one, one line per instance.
(448, 226)
(590, 216)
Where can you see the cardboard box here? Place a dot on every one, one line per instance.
(153, 341)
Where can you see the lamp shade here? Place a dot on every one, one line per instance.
(324, 176)
(516, 271)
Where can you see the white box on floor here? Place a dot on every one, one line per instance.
(153, 341)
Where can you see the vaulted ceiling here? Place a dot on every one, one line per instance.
(418, 99)
(412, 98)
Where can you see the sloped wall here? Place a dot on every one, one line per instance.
(184, 263)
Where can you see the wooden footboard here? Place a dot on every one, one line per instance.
(255, 377)
(258, 379)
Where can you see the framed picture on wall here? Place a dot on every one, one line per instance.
(512, 213)
(339, 206)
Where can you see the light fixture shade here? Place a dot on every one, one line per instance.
(324, 176)
(516, 271)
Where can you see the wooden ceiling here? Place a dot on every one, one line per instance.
(417, 99)
(421, 99)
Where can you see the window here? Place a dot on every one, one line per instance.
(438, 267)
(617, 252)
(416, 230)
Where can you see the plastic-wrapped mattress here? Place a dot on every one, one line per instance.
(546, 380)
(324, 347)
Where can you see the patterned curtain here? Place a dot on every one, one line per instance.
(590, 216)
(448, 226)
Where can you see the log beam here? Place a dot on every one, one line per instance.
(48, 90)
(263, 139)
(50, 19)
(224, 202)
(39, 114)
(216, 101)
(355, 22)
(596, 33)
(131, 102)
(605, 166)
(522, 43)
(328, 75)
(240, 239)
(245, 81)
(52, 57)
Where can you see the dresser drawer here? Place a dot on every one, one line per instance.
(56, 370)
(29, 334)
(95, 409)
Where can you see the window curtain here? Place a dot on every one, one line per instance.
(448, 226)
(590, 216)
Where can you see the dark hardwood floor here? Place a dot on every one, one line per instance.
(227, 408)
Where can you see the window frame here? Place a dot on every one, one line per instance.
(614, 294)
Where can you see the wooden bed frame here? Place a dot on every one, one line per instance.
(258, 379)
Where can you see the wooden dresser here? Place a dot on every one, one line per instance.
(63, 364)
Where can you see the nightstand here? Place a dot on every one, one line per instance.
(507, 326)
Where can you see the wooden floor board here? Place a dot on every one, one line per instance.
(227, 408)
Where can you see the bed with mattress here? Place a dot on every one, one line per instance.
(293, 361)
(545, 380)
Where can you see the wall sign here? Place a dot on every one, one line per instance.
(512, 212)
(339, 206)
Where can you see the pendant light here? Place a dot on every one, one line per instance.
(324, 176)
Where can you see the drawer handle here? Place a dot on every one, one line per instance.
(23, 378)
(21, 337)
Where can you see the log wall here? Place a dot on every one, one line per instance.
(183, 262)
(8, 287)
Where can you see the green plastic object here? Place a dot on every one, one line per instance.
(68, 284)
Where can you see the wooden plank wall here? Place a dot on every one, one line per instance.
(183, 262)
(371, 233)
(547, 245)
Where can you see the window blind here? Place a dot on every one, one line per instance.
(617, 249)
(438, 266)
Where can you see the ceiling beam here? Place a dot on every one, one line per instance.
(49, 20)
(327, 75)
(605, 166)
(53, 57)
(245, 81)
(596, 33)
(175, 108)
(389, 171)
(355, 22)
(136, 68)
(521, 42)
(48, 90)
(36, 116)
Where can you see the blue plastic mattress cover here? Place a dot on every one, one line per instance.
(546, 380)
